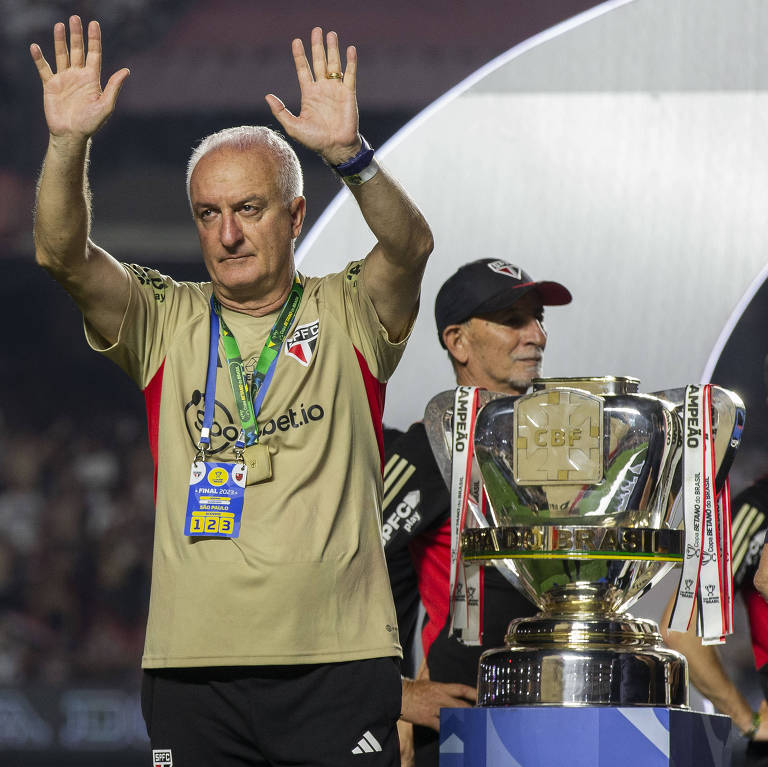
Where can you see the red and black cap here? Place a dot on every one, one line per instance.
(487, 285)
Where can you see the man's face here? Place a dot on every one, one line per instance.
(246, 231)
(505, 348)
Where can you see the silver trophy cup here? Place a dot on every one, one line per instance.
(583, 477)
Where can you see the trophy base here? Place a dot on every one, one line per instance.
(583, 737)
(577, 661)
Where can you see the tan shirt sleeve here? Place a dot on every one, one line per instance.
(352, 306)
(158, 309)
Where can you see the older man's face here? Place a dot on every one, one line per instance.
(506, 347)
(245, 228)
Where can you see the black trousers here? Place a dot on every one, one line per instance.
(324, 715)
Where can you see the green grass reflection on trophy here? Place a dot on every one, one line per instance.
(603, 505)
(514, 504)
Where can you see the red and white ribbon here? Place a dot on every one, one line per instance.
(467, 494)
(706, 574)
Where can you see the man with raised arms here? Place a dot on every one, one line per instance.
(271, 635)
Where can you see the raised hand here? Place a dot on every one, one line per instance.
(328, 121)
(75, 105)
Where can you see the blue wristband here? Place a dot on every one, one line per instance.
(359, 162)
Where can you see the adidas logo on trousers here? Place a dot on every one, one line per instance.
(367, 744)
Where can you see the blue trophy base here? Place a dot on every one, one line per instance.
(594, 736)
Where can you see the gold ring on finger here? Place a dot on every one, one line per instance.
(334, 76)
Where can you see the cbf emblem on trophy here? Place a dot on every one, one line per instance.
(558, 438)
(592, 492)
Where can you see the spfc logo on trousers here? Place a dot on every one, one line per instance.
(301, 344)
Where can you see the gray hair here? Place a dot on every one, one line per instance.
(290, 180)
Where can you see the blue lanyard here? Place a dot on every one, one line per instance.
(210, 382)
(210, 386)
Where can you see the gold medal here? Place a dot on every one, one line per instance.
(257, 459)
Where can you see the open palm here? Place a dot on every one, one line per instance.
(327, 122)
(74, 103)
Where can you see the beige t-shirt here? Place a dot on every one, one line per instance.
(306, 580)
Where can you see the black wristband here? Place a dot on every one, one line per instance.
(354, 165)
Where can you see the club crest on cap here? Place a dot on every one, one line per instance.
(505, 268)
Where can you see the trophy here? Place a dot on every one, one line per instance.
(583, 477)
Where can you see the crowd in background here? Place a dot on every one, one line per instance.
(76, 519)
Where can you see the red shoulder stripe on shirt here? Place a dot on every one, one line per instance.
(152, 394)
(375, 390)
(757, 611)
(431, 554)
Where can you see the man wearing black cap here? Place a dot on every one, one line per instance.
(489, 317)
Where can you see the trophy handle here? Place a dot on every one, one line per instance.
(730, 412)
(438, 423)
(728, 422)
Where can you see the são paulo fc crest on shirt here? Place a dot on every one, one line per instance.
(301, 344)
(505, 268)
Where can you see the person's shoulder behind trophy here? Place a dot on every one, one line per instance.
(761, 575)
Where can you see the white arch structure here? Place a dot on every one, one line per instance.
(622, 152)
